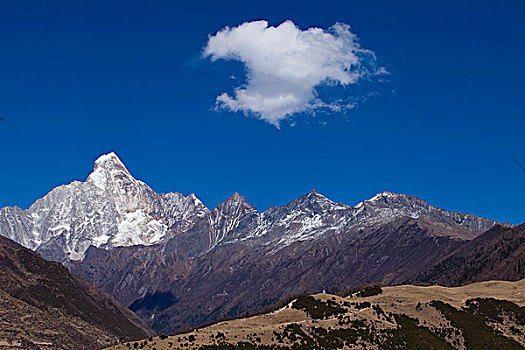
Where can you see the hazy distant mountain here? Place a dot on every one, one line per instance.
(178, 263)
(41, 303)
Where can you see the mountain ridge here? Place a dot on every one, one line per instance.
(139, 216)
(149, 250)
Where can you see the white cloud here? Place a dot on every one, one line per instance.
(285, 64)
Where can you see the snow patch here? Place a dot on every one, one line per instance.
(196, 201)
(98, 178)
(138, 228)
(383, 194)
(106, 158)
(61, 227)
(100, 240)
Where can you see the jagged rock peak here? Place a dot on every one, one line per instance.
(236, 200)
(392, 204)
(388, 196)
(109, 161)
(236, 196)
(110, 158)
(314, 199)
(195, 199)
(314, 196)
(113, 209)
(313, 192)
(108, 166)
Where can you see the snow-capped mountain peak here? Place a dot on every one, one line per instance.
(388, 205)
(108, 161)
(386, 194)
(109, 168)
(315, 201)
(112, 209)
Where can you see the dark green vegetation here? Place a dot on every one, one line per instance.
(241, 346)
(472, 321)
(493, 309)
(408, 335)
(316, 308)
(363, 305)
(363, 290)
(369, 291)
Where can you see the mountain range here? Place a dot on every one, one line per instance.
(177, 263)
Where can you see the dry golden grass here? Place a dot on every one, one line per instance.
(413, 301)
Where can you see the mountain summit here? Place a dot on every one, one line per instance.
(108, 167)
(113, 209)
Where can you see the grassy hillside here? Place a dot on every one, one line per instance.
(477, 316)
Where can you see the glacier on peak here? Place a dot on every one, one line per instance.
(138, 228)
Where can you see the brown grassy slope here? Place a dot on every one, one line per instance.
(499, 253)
(42, 302)
(400, 317)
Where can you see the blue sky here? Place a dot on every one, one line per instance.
(82, 78)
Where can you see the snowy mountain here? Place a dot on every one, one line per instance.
(110, 209)
(135, 244)
(113, 209)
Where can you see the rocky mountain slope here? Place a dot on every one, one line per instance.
(487, 315)
(498, 253)
(233, 279)
(43, 305)
(158, 253)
